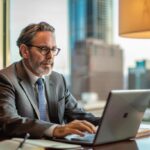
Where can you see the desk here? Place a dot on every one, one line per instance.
(138, 144)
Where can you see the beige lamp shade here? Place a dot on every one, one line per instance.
(134, 18)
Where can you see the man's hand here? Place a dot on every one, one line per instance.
(74, 127)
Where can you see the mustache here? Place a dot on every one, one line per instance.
(51, 62)
(48, 62)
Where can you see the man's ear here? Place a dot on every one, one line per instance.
(24, 51)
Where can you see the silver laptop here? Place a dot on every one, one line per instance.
(120, 120)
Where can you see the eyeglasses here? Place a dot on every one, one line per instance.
(44, 50)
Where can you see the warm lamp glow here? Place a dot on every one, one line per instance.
(134, 18)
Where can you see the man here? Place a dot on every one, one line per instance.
(23, 84)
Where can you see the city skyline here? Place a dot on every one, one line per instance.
(134, 49)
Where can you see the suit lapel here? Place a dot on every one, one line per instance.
(30, 94)
(26, 86)
(51, 100)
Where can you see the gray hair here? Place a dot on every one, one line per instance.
(28, 33)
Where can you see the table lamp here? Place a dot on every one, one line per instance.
(134, 18)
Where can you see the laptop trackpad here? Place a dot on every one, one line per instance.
(74, 137)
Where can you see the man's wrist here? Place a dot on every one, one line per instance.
(49, 132)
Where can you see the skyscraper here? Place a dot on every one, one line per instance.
(139, 76)
(77, 21)
(90, 19)
(91, 32)
(97, 67)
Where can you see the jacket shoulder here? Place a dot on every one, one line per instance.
(57, 78)
(8, 70)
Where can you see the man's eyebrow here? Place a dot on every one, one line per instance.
(48, 47)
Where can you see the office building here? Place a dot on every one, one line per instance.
(97, 67)
(139, 76)
(90, 19)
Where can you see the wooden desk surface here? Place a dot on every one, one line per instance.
(142, 143)
(138, 144)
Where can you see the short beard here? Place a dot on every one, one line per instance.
(49, 72)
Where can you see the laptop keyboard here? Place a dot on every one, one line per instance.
(86, 137)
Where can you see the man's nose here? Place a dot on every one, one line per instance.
(49, 54)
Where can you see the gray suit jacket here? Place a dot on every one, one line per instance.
(18, 105)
